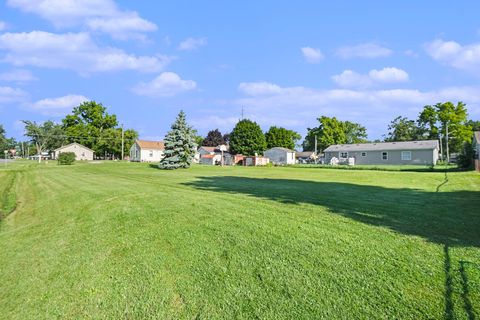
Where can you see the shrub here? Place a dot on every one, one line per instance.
(465, 159)
(66, 158)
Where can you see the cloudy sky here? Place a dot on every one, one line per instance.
(284, 63)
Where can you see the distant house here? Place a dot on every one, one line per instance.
(81, 152)
(280, 155)
(395, 153)
(147, 151)
(305, 157)
(213, 155)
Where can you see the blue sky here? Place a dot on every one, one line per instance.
(285, 63)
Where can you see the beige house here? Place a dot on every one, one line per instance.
(81, 152)
(147, 151)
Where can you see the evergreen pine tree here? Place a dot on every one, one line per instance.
(180, 146)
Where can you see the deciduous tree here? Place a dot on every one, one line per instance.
(281, 137)
(214, 138)
(46, 136)
(247, 138)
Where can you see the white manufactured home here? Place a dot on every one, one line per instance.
(405, 152)
(147, 151)
(81, 152)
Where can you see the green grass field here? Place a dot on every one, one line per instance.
(128, 241)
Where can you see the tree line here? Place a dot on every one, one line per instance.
(91, 125)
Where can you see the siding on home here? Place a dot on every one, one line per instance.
(147, 151)
(81, 152)
(395, 153)
(279, 155)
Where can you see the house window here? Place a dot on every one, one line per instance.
(151, 153)
(83, 154)
(343, 154)
(384, 155)
(364, 154)
(406, 155)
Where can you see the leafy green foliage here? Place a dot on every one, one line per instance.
(66, 158)
(214, 138)
(281, 137)
(46, 136)
(247, 138)
(434, 120)
(180, 146)
(333, 131)
(90, 125)
(466, 156)
(402, 129)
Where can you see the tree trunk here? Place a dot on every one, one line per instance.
(39, 151)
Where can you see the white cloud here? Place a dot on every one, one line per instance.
(363, 50)
(451, 53)
(192, 44)
(312, 55)
(352, 79)
(167, 84)
(12, 95)
(17, 75)
(3, 25)
(58, 106)
(373, 108)
(74, 51)
(388, 75)
(97, 15)
(259, 88)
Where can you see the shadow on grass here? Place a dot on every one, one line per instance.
(446, 218)
(441, 217)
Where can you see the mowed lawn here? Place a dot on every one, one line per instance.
(128, 241)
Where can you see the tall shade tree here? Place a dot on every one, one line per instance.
(436, 120)
(91, 125)
(428, 123)
(281, 137)
(46, 136)
(214, 138)
(403, 129)
(180, 146)
(247, 138)
(354, 132)
(333, 131)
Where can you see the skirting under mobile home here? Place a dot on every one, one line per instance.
(391, 153)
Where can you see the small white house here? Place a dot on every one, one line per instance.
(147, 151)
(81, 152)
(280, 155)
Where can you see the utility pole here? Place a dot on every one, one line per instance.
(441, 146)
(122, 141)
(446, 142)
(315, 149)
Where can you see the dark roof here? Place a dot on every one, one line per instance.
(156, 145)
(382, 146)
